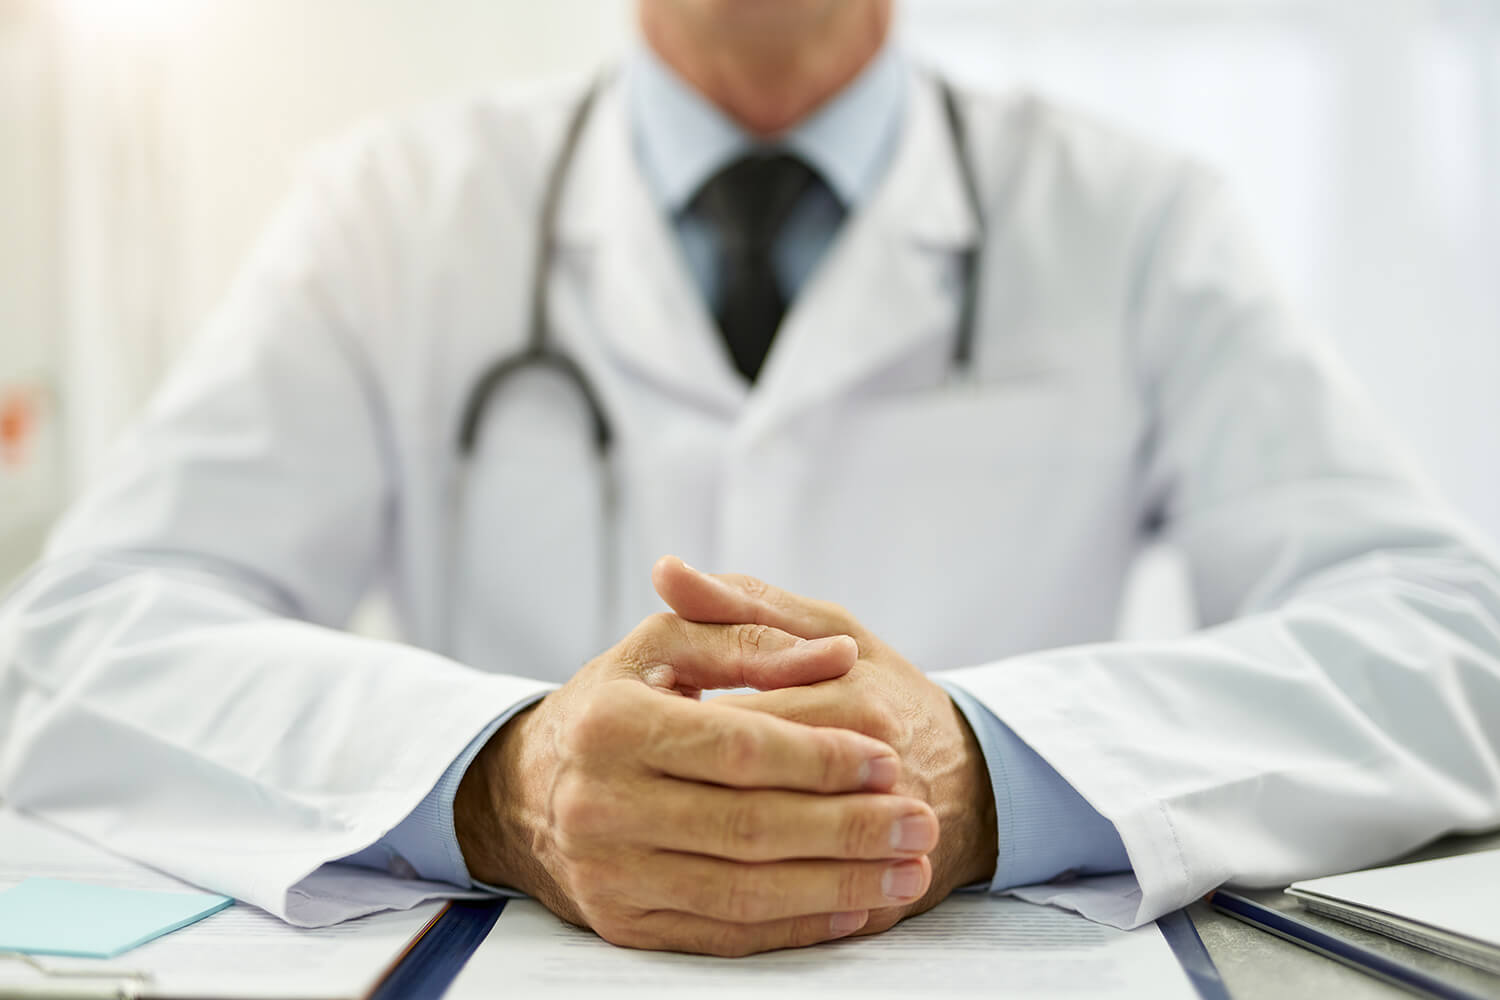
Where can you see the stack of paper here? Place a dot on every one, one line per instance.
(239, 952)
(971, 945)
(1447, 906)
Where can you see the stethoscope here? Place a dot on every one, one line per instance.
(539, 354)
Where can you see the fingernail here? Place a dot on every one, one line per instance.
(847, 923)
(881, 773)
(912, 833)
(903, 881)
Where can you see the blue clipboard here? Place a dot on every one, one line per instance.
(431, 965)
(439, 955)
(1182, 936)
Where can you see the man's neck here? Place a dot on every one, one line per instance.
(767, 77)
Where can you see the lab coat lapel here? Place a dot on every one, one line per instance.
(647, 311)
(888, 284)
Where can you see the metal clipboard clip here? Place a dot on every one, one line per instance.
(72, 983)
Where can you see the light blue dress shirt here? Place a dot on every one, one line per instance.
(1045, 828)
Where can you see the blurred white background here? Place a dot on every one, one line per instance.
(144, 142)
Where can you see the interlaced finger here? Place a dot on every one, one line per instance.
(669, 930)
(724, 745)
(755, 893)
(775, 825)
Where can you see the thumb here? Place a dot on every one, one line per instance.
(732, 598)
(669, 653)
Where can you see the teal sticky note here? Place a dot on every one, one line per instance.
(43, 916)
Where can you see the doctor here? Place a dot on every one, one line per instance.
(770, 297)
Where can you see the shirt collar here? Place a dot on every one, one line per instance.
(681, 139)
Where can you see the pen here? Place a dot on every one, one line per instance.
(1300, 932)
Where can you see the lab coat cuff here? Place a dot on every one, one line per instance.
(425, 844)
(1046, 829)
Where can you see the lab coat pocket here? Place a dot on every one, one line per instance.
(1003, 496)
(1036, 413)
(969, 464)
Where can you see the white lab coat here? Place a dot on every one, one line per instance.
(176, 684)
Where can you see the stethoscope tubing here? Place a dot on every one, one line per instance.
(539, 354)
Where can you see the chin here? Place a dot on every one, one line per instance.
(767, 17)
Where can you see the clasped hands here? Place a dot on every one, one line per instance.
(844, 795)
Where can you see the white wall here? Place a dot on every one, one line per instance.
(1364, 140)
(324, 64)
(186, 128)
(29, 317)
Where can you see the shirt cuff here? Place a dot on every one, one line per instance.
(424, 844)
(1046, 828)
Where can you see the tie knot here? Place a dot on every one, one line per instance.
(748, 201)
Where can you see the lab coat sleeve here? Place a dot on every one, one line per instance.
(425, 843)
(1343, 703)
(174, 683)
(1045, 827)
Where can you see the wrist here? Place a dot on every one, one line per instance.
(976, 827)
(494, 818)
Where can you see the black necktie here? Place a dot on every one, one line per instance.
(747, 203)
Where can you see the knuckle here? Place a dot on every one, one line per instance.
(852, 880)
(663, 626)
(754, 586)
(744, 901)
(744, 828)
(831, 760)
(638, 647)
(595, 728)
(647, 640)
(750, 638)
(864, 833)
(577, 811)
(878, 720)
(740, 748)
(689, 892)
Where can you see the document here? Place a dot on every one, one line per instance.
(240, 952)
(970, 945)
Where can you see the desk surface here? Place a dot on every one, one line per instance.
(1259, 966)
